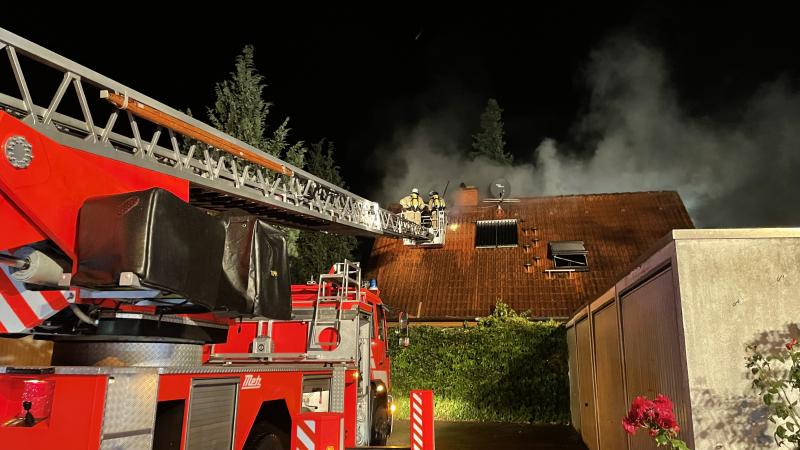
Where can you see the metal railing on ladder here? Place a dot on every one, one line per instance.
(224, 173)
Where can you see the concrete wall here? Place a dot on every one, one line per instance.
(735, 292)
(686, 334)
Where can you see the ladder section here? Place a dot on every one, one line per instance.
(335, 291)
(224, 173)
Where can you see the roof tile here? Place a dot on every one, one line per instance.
(460, 281)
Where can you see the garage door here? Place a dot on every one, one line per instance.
(585, 385)
(610, 388)
(653, 361)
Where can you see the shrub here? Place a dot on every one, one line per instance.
(507, 368)
(776, 378)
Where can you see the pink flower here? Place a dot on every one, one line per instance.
(663, 403)
(791, 344)
(629, 427)
(667, 422)
(641, 410)
(654, 415)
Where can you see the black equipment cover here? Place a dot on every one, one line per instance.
(169, 244)
(255, 268)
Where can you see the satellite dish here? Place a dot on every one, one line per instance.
(501, 191)
(500, 188)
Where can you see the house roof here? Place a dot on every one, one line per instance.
(460, 281)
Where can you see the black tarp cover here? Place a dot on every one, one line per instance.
(237, 264)
(167, 243)
(255, 268)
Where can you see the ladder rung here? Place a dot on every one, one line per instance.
(338, 277)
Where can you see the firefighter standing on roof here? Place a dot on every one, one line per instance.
(435, 204)
(412, 206)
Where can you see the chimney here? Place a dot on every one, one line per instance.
(466, 196)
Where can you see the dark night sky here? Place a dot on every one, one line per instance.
(357, 75)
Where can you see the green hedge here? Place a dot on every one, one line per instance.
(505, 369)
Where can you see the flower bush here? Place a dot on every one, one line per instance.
(776, 377)
(655, 416)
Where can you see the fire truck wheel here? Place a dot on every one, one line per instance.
(380, 426)
(263, 436)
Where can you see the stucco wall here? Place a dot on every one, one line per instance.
(734, 293)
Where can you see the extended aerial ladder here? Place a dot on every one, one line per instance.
(223, 172)
(142, 144)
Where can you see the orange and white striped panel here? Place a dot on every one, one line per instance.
(422, 437)
(22, 309)
(323, 431)
(306, 434)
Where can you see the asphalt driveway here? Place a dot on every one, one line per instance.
(495, 436)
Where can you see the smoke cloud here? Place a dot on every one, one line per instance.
(742, 169)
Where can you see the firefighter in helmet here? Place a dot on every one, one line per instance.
(412, 206)
(435, 205)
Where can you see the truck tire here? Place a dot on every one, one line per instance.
(263, 436)
(380, 426)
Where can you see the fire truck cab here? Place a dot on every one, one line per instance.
(335, 320)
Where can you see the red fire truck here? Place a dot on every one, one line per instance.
(143, 248)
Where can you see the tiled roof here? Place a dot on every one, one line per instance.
(460, 281)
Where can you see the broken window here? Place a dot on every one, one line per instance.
(496, 233)
(568, 255)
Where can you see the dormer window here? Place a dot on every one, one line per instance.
(568, 255)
